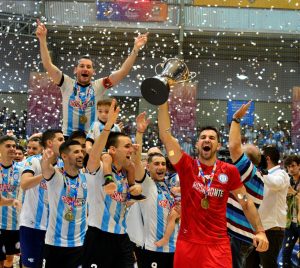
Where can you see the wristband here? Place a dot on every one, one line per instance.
(237, 120)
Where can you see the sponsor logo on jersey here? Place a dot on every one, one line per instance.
(212, 191)
(8, 188)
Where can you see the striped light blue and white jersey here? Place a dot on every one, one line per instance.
(79, 102)
(96, 128)
(35, 209)
(60, 232)
(237, 223)
(107, 212)
(9, 186)
(155, 210)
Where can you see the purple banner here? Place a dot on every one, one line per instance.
(44, 104)
(132, 11)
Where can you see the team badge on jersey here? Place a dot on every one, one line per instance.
(83, 185)
(16, 176)
(28, 164)
(223, 178)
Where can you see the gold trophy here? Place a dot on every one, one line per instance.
(156, 89)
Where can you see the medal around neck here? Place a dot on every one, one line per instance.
(204, 203)
(82, 119)
(69, 216)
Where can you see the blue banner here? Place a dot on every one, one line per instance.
(234, 105)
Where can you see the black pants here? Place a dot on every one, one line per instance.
(107, 250)
(150, 259)
(268, 259)
(55, 257)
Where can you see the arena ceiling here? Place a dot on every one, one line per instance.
(163, 42)
(195, 44)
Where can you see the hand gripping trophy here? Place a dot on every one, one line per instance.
(156, 89)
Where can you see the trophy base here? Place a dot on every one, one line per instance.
(155, 90)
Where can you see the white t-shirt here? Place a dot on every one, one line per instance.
(273, 209)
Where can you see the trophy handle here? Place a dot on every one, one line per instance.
(158, 64)
(192, 75)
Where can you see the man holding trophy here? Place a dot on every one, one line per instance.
(205, 185)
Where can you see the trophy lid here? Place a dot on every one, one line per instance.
(155, 91)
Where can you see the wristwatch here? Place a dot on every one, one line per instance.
(237, 120)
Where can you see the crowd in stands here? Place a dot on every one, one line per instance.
(15, 124)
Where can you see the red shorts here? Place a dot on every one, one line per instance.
(192, 255)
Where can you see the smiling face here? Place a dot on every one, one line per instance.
(19, 156)
(74, 157)
(157, 168)
(84, 71)
(208, 145)
(121, 153)
(34, 148)
(8, 150)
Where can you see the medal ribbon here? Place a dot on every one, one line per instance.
(209, 180)
(120, 176)
(69, 186)
(166, 192)
(83, 105)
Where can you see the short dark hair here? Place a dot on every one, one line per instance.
(65, 146)
(273, 153)
(77, 134)
(20, 147)
(105, 102)
(7, 138)
(49, 134)
(86, 57)
(152, 155)
(113, 139)
(36, 139)
(290, 159)
(210, 128)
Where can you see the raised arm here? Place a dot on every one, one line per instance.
(53, 71)
(100, 142)
(141, 125)
(46, 164)
(28, 180)
(117, 76)
(235, 139)
(260, 240)
(164, 126)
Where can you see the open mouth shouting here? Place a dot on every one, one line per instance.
(206, 148)
(160, 173)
